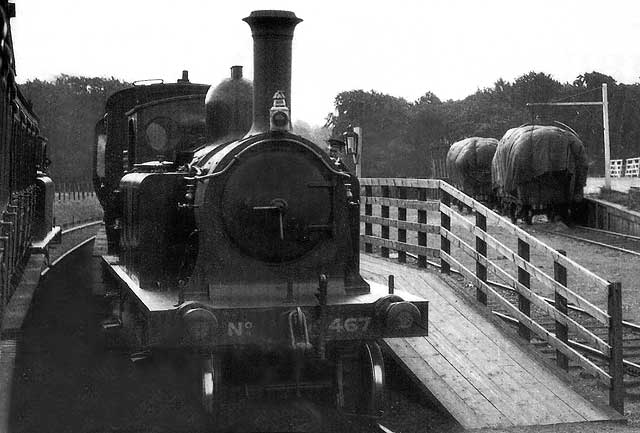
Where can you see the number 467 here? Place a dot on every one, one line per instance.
(350, 324)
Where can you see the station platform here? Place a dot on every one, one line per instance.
(477, 372)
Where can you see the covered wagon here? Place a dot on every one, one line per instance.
(469, 166)
(539, 169)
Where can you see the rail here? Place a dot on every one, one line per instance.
(425, 223)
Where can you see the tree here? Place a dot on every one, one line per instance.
(535, 87)
(593, 80)
(402, 138)
(314, 133)
(383, 119)
(69, 108)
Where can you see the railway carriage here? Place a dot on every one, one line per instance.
(240, 247)
(26, 191)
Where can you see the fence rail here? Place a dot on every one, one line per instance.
(477, 253)
(76, 203)
(74, 191)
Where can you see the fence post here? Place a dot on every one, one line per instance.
(481, 249)
(368, 210)
(384, 213)
(422, 236)
(524, 305)
(616, 369)
(560, 275)
(445, 223)
(402, 216)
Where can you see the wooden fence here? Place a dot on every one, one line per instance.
(613, 217)
(76, 203)
(74, 191)
(435, 227)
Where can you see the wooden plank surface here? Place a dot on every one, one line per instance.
(476, 372)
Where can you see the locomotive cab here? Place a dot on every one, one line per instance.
(158, 130)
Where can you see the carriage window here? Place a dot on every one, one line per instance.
(100, 152)
(100, 145)
(157, 136)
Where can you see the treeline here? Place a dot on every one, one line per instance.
(403, 138)
(68, 108)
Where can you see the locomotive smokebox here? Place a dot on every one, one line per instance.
(272, 35)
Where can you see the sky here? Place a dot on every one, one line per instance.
(404, 48)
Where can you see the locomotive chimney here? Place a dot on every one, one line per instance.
(272, 35)
(185, 77)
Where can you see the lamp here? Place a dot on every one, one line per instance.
(352, 140)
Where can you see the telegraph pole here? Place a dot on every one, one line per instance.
(607, 151)
(605, 124)
(358, 161)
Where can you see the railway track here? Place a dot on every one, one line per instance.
(631, 340)
(603, 238)
(631, 331)
(626, 244)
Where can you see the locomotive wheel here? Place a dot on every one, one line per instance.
(360, 381)
(211, 382)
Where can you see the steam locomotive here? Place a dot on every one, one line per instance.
(26, 191)
(237, 241)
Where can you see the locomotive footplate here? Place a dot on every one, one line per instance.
(301, 326)
(207, 324)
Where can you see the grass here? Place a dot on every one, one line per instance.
(71, 212)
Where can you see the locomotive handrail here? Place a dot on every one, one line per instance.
(251, 146)
(393, 193)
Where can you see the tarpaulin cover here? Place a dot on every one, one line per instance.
(469, 163)
(531, 151)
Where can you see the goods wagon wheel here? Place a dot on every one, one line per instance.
(360, 380)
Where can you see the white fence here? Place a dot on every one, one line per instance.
(629, 167)
(632, 167)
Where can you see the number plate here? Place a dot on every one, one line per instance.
(350, 324)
